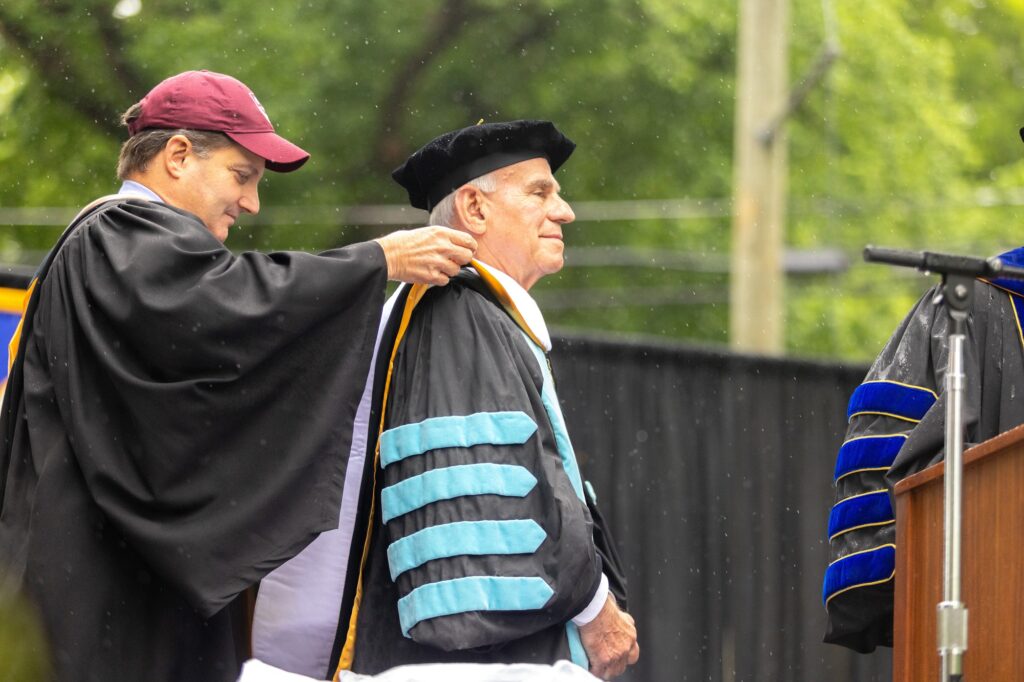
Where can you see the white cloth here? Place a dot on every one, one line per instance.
(562, 671)
(590, 612)
(258, 671)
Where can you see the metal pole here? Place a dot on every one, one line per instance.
(952, 614)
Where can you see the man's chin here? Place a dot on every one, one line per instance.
(220, 231)
(555, 266)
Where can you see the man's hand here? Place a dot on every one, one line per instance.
(610, 641)
(427, 255)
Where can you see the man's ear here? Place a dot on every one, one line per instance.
(471, 209)
(176, 154)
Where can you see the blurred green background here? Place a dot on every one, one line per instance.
(910, 140)
(24, 653)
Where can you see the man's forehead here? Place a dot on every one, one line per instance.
(531, 171)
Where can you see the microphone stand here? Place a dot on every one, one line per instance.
(958, 273)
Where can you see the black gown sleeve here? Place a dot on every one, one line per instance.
(611, 560)
(896, 428)
(208, 397)
(489, 538)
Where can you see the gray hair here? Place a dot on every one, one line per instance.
(444, 212)
(139, 149)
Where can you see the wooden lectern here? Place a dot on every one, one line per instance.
(992, 568)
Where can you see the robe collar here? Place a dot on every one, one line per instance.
(135, 189)
(523, 302)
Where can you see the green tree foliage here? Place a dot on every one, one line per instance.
(23, 648)
(909, 141)
(912, 144)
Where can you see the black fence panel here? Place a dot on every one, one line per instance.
(715, 471)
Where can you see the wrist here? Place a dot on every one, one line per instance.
(597, 603)
(390, 257)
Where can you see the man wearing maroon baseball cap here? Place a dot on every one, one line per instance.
(203, 100)
(178, 418)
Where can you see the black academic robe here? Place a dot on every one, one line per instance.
(897, 428)
(174, 428)
(482, 545)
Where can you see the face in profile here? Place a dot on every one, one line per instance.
(221, 186)
(524, 216)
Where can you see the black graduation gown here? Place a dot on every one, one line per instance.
(897, 428)
(174, 428)
(482, 546)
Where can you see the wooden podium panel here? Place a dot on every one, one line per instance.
(992, 565)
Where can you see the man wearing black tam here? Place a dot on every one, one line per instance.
(474, 542)
(453, 159)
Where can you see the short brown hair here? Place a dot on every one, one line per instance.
(138, 149)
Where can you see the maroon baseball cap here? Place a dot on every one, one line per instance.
(204, 100)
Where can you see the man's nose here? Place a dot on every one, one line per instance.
(250, 201)
(562, 212)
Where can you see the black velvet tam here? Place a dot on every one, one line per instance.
(447, 162)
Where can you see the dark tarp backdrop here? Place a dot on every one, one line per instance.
(715, 473)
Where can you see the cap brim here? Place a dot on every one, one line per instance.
(281, 155)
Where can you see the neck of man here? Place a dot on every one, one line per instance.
(156, 184)
(491, 255)
(493, 258)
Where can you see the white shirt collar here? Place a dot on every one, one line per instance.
(527, 307)
(135, 189)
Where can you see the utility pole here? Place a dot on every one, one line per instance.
(756, 295)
